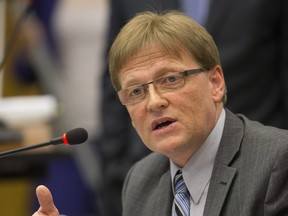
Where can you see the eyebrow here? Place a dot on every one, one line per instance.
(162, 72)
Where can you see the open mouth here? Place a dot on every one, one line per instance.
(162, 124)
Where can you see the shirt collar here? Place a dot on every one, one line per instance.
(198, 170)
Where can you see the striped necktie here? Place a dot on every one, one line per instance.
(182, 196)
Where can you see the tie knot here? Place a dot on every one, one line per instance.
(179, 184)
(182, 196)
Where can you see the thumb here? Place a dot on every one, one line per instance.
(45, 200)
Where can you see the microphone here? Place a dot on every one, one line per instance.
(72, 137)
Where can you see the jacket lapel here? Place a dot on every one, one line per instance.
(163, 203)
(222, 174)
(218, 189)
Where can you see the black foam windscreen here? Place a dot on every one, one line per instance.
(76, 136)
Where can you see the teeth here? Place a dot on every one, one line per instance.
(162, 124)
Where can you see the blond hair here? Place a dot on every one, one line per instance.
(171, 31)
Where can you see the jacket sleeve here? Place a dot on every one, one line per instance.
(276, 201)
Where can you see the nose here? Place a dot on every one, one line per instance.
(155, 100)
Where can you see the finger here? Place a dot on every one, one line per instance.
(45, 200)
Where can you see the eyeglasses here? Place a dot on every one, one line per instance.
(137, 93)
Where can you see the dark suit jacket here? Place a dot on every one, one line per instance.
(249, 177)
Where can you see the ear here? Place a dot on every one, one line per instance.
(216, 78)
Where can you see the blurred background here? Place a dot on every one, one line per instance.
(54, 77)
(51, 54)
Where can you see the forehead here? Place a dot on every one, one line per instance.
(154, 59)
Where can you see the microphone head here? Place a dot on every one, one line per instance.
(75, 136)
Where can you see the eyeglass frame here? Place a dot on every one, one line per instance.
(144, 86)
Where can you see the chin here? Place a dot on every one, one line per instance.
(168, 148)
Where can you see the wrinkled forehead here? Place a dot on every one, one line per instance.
(151, 62)
(147, 54)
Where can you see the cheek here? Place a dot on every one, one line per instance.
(190, 100)
(136, 115)
(138, 122)
(193, 108)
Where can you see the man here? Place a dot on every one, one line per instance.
(252, 38)
(166, 70)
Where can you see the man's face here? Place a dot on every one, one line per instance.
(173, 123)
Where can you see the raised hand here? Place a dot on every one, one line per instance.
(45, 199)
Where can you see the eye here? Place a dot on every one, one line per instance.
(135, 91)
(171, 79)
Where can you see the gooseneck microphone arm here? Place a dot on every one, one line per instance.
(5, 153)
(72, 137)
